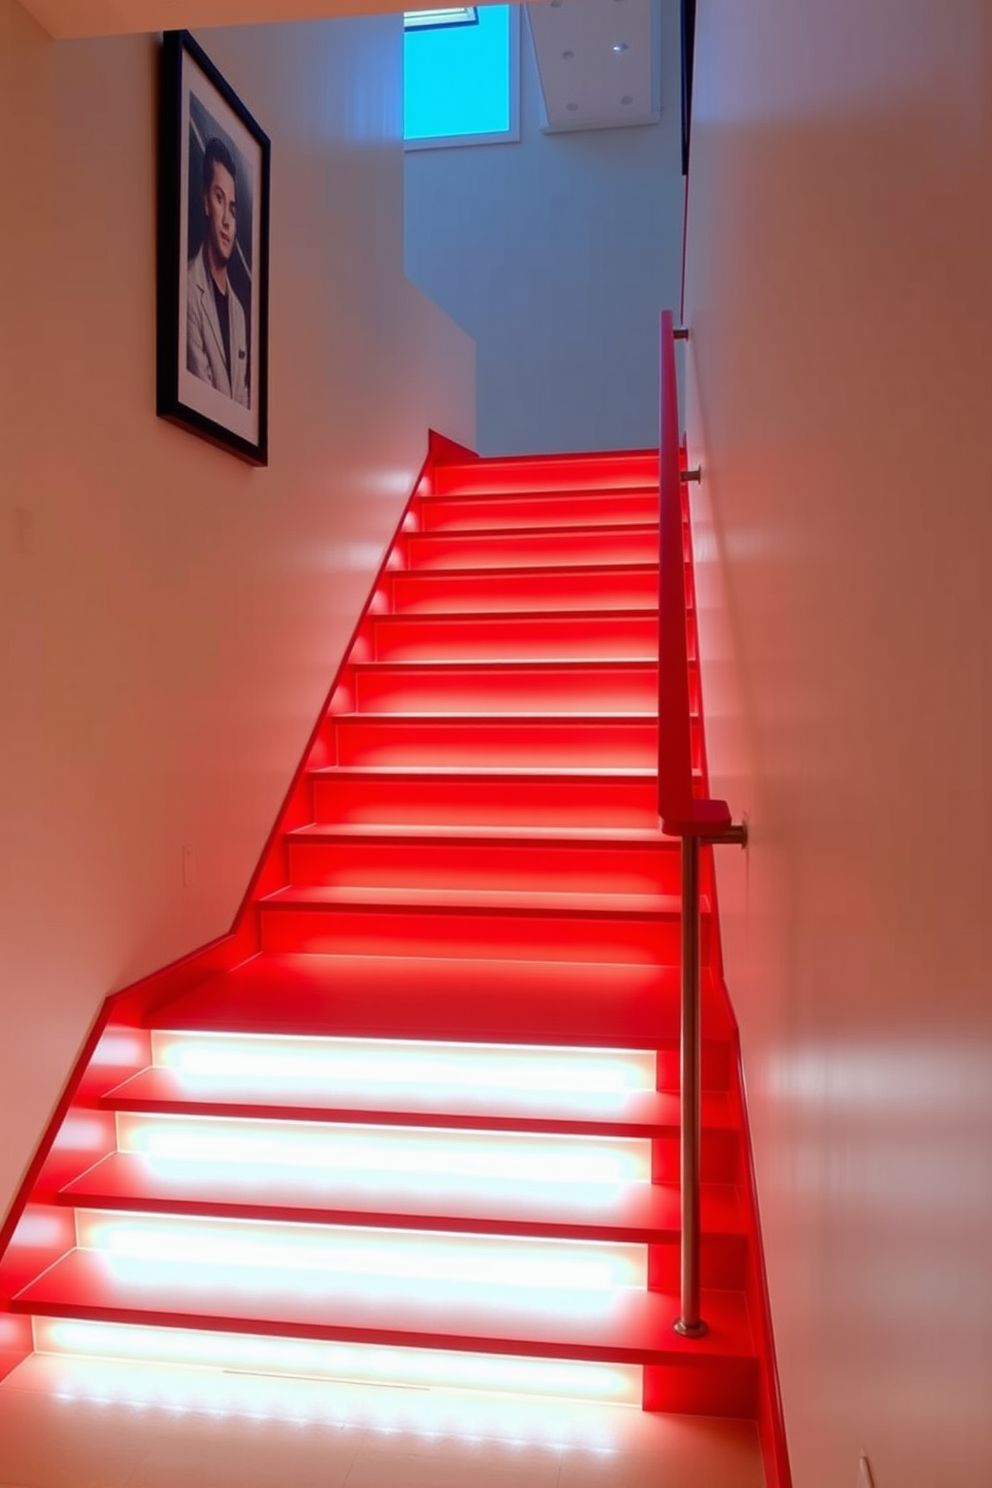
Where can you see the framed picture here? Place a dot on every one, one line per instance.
(213, 256)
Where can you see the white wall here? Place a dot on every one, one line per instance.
(169, 635)
(557, 254)
(840, 300)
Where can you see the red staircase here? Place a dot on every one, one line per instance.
(417, 1116)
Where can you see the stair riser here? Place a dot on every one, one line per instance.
(359, 1257)
(96, 1351)
(506, 802)
(549, 638)
(339, 1152)
(401, 741)
(509, 1072)
(564, 473)
(564, 509)
(537, 690)
(722, 1263)
(530, 550)
(719, 1157)
(507, 936)
(520, 867)
(728, 1389)
(355, 1147)
(717, 1067)
(481, 592)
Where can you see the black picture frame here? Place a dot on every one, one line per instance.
(213, 256)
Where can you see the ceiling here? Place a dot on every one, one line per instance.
(597, 61)
(65, 18)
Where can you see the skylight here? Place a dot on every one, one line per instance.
(460, 79)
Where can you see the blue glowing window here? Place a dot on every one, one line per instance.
(460, 80)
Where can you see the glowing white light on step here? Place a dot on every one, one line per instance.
(179, 1250)
(587, 1077)
(364, 1363)
(335, 1151)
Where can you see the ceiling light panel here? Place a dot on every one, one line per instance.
(597, 62)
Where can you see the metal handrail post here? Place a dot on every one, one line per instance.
(689, 1323)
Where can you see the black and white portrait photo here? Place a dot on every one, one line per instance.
(213, 247)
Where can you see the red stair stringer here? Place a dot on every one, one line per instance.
(770, 1412)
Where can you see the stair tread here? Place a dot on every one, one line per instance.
(537, 664)
(453, 1000)
(635, 1212)
(494, 772)
(570, 902)
(476, 721)
(621, 566)
(503, 475)
(643, 1113)
(622, 1324)
(468, 833)
(525, 493)
(550, 530)
(515, 617)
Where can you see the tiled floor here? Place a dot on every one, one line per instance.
(147, 1426)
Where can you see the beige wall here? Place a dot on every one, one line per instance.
(840, 299)
(171, 618)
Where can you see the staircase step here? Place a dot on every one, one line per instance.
(646, 1114)
(509, 548)
(531, 687)
(256, 1373)
(545, 1003)
(636, 505)
(639, 1213)
(547, 636)
(567, 740)
(483, 796)
(455, 899)
(589, 586)
(502, 858)
(570, 473)
(622, 1324)
(479, 923)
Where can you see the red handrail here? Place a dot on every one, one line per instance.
(682, 813)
